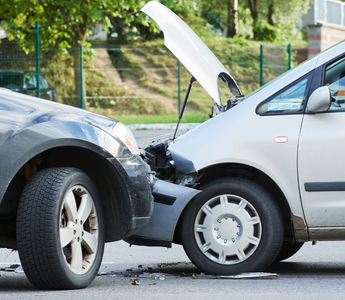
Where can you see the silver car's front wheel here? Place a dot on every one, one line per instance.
(233, 226)
(60, 232)
(227, 229)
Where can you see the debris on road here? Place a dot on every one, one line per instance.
(109, 273)
(135, 281)
(253, 275)
(160, 276)
(13, 268)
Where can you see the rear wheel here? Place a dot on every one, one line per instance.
(233, 226)
(60, 232)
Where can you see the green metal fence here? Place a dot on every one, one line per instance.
(137, 77)
(274, 61)
(125, 79)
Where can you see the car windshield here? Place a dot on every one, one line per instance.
(11, 81)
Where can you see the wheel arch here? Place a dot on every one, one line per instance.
(248, 172)
(99, 165)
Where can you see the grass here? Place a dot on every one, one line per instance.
(194, 117)
(153, 69)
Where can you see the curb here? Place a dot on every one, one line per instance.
(162, 126)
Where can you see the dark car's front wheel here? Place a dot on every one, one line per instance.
(60, 233)
(233, 226)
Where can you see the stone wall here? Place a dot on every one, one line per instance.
(321, 37)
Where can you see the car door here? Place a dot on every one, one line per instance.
(45, 92)
(321, 158)
(30, 84)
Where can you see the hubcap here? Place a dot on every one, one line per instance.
(78, 229)
(227, 229)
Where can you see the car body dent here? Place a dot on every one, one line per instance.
(181, 40)
(162, 224)
(183, 165)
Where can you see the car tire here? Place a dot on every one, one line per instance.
(233, 226)
(288, 250)
(60, 232)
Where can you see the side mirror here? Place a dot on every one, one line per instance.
(30, 87)
(319, 101)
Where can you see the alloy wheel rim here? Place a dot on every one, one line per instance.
(78, 229)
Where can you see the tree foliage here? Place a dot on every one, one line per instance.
(69, 22)
(278, 19)
(258, 19)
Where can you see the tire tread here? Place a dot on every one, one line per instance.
(37, 245)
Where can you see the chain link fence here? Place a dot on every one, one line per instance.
(124, 79)
(274, 61)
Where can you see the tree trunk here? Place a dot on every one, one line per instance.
(232, 29)
(270, 13)
(77, 76)
(253, 6)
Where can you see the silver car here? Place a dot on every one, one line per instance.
(261, 177)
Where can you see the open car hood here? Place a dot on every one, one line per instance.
(182, 41)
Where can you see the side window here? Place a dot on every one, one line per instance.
(290, 100)
(43, 83)
(29, 79)
(335, 80)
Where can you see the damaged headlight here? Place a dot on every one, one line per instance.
(127, 137)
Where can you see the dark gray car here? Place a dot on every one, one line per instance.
(70, 181)
(26, 83)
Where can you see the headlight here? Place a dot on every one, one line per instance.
(127, 137)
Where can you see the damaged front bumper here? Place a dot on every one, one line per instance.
(139, 190)
(169, 202)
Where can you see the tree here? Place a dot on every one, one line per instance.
(67, 22)
(232, 28)
(253, 6)
(269, 15)
(221, 14)
(270, 12)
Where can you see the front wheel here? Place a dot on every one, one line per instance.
(233, 226)
(60, 233)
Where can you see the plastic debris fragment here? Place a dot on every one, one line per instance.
(135, 281)
(109, 273)
(13, 268)
(254, 275)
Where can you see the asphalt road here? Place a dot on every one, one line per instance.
(315, 272)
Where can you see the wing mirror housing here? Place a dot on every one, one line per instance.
(319, 101)
(30, 87)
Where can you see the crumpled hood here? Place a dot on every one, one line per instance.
(182, 41)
